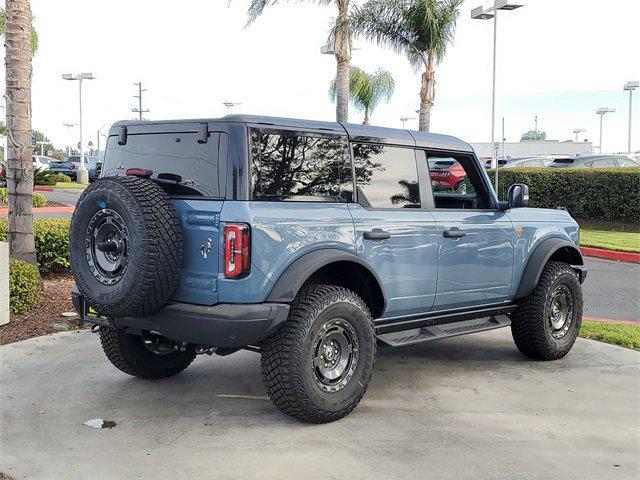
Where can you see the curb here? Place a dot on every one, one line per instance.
(609, 320)
(43, 189)
(611, 254)
(5, 211)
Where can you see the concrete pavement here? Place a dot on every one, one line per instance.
(468, 407)
(612, 290)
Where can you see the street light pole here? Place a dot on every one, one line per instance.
(630, 86)
(83, 173)
(601, 111)
(577, 131)
(485, 13)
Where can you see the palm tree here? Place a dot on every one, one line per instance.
(422, 29)
(20, 43)
(342, 43)
(367, 89)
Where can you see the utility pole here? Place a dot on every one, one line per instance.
(404, 119)
(139, 110)
(535, 120)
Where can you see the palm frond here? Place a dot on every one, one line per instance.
(366, 90)
(257, 6)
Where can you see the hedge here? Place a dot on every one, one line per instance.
(24, 287)
(598, 194)
(52, 243)
(62, 178)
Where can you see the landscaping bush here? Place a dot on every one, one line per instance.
(39, 200)
(24, 287)
(62, 178)
(604, 194)
(44, 177)
(52, 243)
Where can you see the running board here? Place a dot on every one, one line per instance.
(434, 332)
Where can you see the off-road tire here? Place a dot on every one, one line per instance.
(530, 326)
(154, 247)
(287, 355)
(129, 354)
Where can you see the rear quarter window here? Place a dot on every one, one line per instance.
(196, 168)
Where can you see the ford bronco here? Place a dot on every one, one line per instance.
(311, 243)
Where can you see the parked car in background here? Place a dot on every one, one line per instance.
(42, 162)
(447, 174)
(525, 162)
(594, 161)
(70, 166)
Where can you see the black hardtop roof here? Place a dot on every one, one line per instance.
(356, 132)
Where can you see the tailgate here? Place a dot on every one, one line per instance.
(200, 229)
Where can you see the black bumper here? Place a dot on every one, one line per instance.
(221, 325)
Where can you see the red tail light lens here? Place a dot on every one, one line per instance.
(237, 249)
(72, 166)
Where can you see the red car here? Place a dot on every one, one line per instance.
(447, 174)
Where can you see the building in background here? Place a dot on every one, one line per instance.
(532, 148)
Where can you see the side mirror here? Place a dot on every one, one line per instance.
(518, 195)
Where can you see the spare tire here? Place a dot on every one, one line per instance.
(125, 246)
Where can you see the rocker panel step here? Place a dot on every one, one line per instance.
(434, 332)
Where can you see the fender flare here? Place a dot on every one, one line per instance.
(539, 258)
(300, 270)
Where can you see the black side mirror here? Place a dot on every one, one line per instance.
(518, 195)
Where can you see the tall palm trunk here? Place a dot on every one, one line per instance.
(427, 95)
(342, 51)
(366, 116)
(18, 95)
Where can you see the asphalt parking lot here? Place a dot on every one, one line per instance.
(468, 407)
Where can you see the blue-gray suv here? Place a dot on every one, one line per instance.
(312, 243)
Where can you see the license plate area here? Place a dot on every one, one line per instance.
(91, 316)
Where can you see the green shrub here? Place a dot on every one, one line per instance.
(603, 194)
(39, 200)
(24, 287)
(62, 178)
(52, 243)
(44, 177)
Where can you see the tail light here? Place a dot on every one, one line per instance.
(445, 173)
(237, 249)
(72, 166)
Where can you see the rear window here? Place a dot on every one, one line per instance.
(180, 164)
(299, 166)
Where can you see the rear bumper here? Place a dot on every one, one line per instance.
(221, 325)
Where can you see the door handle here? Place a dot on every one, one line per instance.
(376, 234)
(454, 233)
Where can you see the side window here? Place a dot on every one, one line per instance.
(456, 181)
(386, 177)
(604, 163)
(293, 166)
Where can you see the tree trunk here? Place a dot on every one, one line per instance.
(342, 51)
(19, 163)
(366, 117)
(427, 95)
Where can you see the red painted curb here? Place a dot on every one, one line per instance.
(610, 320)
(43, 189)
(5, 211)
(611, 254)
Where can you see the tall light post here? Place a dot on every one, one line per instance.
(404, 119)
(630, 86)
(69, 127)
(83, 173)
(601, 111)
(578, 131)
(486, 13)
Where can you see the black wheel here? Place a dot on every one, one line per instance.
(461, 187)
(145, 356)
(546, 323)
(317, 366)
(125, 246)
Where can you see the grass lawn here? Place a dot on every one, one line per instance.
(615, 333)
(70, 185)
(621, 241)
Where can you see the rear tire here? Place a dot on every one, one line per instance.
(546, 324)
(317, 366)
(129, 354)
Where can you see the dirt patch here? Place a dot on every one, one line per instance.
(56, 298)
(50, 203)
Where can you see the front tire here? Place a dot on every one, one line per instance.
(129, 354)
(546, 324)
(318, 365)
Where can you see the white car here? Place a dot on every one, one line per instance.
(41, 162)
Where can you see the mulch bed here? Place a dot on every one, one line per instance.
(56, 298)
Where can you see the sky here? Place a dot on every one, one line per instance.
(557, 59)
